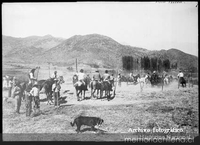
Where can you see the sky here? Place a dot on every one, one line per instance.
(150, 25)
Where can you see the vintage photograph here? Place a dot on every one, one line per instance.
(100, 71)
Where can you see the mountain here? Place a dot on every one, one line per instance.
(29, 46)
(92, 49)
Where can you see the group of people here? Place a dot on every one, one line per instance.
(96, 77)
(30, 93)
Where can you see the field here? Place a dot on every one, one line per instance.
(130, 109)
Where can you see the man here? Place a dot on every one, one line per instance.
(96, 76)
(35, 93)
(31, 75)
(54, 75)
(17, 95)
(154, 78)
(106, 76)
(28, 99)
(119, 79)
(56, 92)
(81, 77)
(112, 79)
(180, 75)
(10, 85)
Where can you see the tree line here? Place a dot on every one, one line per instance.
(146, 63)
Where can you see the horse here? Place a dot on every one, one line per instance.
(80, 87)
(47, 85)
(95, 86)
(157, 80)
(181, 81)
(133, 79)
(107, 87)
(166, 80)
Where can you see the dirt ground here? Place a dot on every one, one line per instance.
(130, 108)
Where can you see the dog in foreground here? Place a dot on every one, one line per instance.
(86, 120)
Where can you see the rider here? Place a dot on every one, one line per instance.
(54, 75)
(81, 77)
(96, 76)
(180, 75)
(155, 77)
(106, 76)
(32, 78)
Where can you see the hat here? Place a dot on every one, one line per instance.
(106, 71)
(81, 70)
(154, 71)
(35, 85)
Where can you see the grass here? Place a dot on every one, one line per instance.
(129, 109)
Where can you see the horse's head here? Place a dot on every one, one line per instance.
(61, 79)
(75, 79)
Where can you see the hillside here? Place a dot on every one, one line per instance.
(92, 49)
(23, 48)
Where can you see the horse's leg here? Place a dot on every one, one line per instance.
(77, 94)
(84, 95)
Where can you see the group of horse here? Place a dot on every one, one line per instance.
(96, 86)
(46, 85)
(155, 80)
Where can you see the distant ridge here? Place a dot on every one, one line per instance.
(90, 49)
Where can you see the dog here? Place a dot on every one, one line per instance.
(86, 120)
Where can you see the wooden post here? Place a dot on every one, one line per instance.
(38, 72)
(76, 66)
(49, 69)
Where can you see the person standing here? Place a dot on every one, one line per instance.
(56, 92)
(54, 75)
(17, 95)
(28, 99)
(35, 93)
(119, 79)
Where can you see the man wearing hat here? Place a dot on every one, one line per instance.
(35, 94)
(180, 74)
(96, 76)
(56, 92)
(31, 75)
(28, 98)
(81, 77)
(17, 95)
(154, 78)
(54, 75)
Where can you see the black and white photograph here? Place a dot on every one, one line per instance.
(100, 71)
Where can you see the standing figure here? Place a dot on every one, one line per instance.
(17, 95)
(56, 92)
(119, 79)
(31, 76)
(28, 99)
(54, 75)
(35, 94)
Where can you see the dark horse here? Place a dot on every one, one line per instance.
(107, 87)
(101, 86)
(81, 88)
(181, 81)
(47, 85)
(157, 80)
(95, 86)
(133, 79)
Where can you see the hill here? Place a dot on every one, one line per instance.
(92, 49)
